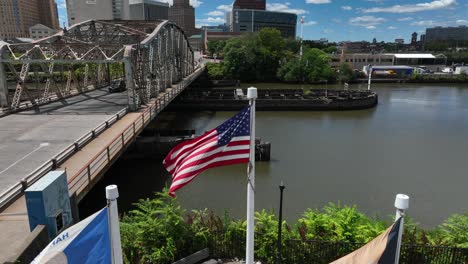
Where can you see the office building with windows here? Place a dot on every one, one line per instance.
(183, 14)
(148, 10)
(446, 34)
(39, 31)
(82, 10)
(244, 20)
(17, 16)
(250, 4)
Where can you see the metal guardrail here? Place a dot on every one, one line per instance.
(90, 170)
(52, 98)
(82, 180)
(16, 190)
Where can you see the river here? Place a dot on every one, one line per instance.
(414, 142)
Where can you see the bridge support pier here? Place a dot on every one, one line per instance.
(3, 87)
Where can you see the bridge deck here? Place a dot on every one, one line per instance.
(30, 138)
(14, 220)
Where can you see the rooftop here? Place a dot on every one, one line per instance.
(414, 56)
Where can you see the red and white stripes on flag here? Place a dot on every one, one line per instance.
(225, 145)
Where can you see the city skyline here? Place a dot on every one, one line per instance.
(343, 20)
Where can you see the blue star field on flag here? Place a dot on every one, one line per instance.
(237, 126)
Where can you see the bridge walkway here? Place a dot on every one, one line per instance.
(86, 166)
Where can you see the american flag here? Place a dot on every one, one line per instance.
(225, 145)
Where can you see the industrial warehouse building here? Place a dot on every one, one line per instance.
(359, 60)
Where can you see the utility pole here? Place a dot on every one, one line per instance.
(302, 33)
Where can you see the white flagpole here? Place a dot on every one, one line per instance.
(249, 247)
(112, 193)
(401, 204)
(370, 77)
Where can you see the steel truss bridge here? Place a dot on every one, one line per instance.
(149, 56)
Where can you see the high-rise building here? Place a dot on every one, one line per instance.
(447, 34)
(17, 16)
(48, 13)
(82, 10)
(244, 20)
(422, 38)
(414, 38)
(250, 4)
(148, 10)
(183, 14)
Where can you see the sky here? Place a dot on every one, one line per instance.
(341, 20)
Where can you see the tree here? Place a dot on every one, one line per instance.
(216, 46)
(270, 51)
(345, 73)
(312, 67)
(215, 70)
(239, 58)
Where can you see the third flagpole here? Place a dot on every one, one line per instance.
(112, 193)
(249, 246)
(401, 204)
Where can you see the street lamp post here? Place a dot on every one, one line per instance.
(280, 220)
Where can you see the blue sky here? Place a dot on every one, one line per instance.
(339, 20)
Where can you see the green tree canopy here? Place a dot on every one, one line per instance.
(312, 67)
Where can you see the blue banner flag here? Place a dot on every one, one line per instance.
(85, 242)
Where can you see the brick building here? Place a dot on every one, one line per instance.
(17, 16)
(183, 14)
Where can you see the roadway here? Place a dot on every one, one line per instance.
(30, 138)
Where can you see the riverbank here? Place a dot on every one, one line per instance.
(161, 231)
(217, 99)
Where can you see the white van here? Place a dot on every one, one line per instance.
(447, 70)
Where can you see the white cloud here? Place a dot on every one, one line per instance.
(310, 23)
(211, 20)
(215, 13)
(461, 22)
(405, 19)
(426, 23)
(434, 5)
(225, 7)
(369, 22)
(318, 1)
(336, 20)
(196, 3)
(391, 27)
(346, 8)
(284, 8)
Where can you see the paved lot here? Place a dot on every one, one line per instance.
(30, 138)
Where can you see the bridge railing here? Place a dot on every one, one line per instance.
(18, 189)
(82, 181)
(105, 157)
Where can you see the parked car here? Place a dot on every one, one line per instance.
(117, 86)
(447, 70)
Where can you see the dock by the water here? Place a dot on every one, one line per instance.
(275, 100)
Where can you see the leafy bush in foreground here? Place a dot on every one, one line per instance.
(159, 230)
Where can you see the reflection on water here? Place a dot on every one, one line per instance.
(414, 142)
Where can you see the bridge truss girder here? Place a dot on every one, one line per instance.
(154, 55)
